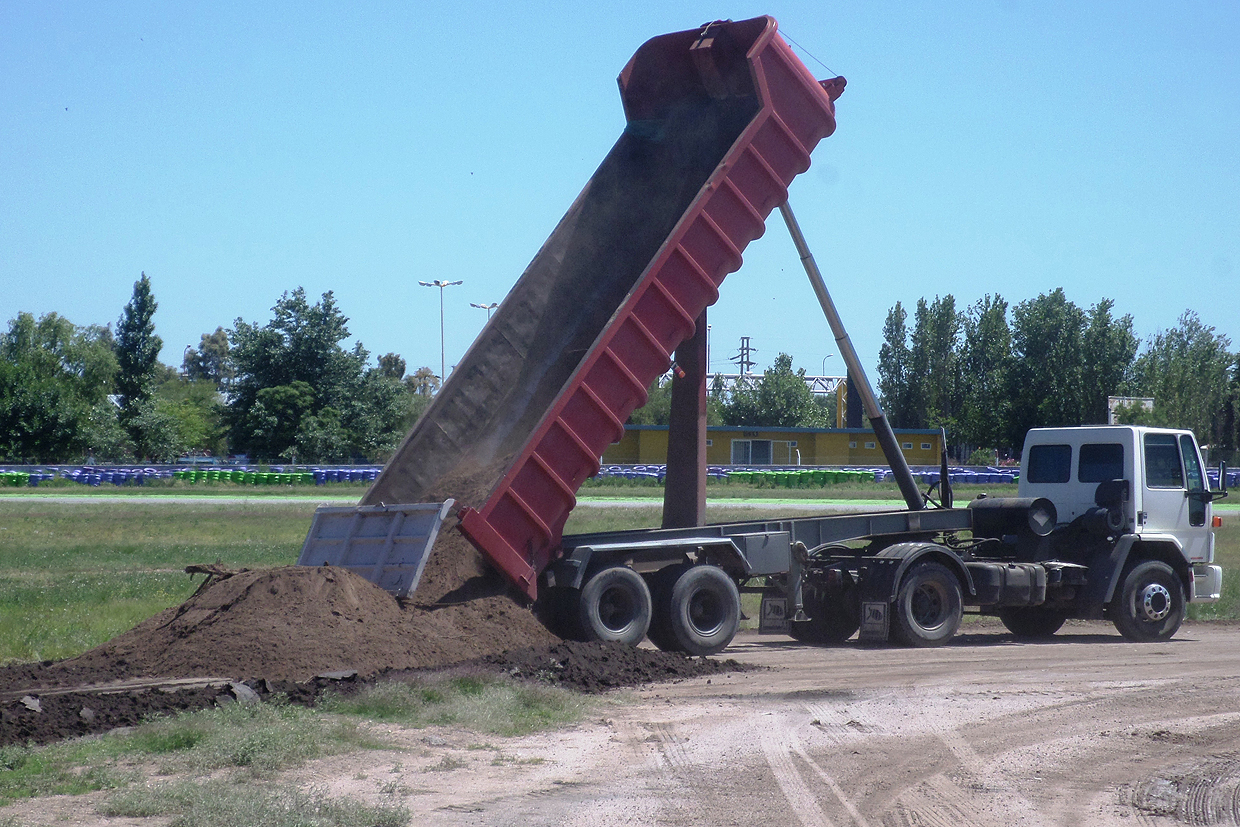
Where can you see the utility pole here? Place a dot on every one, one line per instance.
(443, 364)
(742, 359)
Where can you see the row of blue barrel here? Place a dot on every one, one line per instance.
(991, 476)
(140, 476)
(1233, 477)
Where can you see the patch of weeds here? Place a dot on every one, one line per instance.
(221, 803)
(446, 764)
(502, 760)
(261, 738)
(487, 704)
(71, 768)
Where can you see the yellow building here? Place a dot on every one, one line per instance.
(726, 445)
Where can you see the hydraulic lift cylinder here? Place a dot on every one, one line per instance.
(878, 421)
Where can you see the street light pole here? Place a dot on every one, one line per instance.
(443, 362)
(487, 307)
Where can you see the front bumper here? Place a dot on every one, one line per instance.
(1207, 584)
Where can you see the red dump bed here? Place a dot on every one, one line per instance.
(719, 121)
(674, 82)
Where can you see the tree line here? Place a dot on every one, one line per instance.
(284, 390)
(289, 390)
(988, 376)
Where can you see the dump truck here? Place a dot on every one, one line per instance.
(719, 121)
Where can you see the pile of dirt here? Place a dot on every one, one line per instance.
(280, 630)
(43, 717)
(290, 624)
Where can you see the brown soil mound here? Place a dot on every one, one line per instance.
(585, 667)
(293, 623)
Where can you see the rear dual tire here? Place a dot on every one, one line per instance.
(697, 609)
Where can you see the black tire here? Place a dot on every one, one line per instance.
(928, 606)
(700, 612)
(1150, 605)
(661, 583)
(615, 605)
(1032, 622)
(833, 618)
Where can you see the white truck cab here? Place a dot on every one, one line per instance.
(1150, 481)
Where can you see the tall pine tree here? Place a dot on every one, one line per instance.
(137, 349)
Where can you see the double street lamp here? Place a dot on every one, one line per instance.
(487, 307)
(443, 364)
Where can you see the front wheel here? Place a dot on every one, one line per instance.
(1150, 606)
(928, 607)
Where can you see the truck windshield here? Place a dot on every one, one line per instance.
(1162, 462)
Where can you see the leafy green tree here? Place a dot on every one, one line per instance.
(781, 399)
(155, 430)
(211, 362)
(894, 371)
(1188, 370)
(986, 361)
(392, 365)
(934, 365)
(292, 366)
(137, 349)
(54, 377)
(198, 410)
(322, 437)
(1108, 348)
(1045, 384)
(423, 382)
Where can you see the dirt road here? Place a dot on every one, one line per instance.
(1084, 730)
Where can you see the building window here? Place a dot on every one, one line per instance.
(869, 446)
(710, 443)
(908, 446)
(751, 452)
(792, 443)
(852, 444)
(925, 446)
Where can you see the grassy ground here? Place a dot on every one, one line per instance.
(76, 574)
(73, 575)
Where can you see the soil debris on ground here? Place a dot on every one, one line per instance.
(281, 630)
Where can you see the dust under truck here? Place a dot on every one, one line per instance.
(1109, 522)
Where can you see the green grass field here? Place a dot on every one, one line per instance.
(75, 574)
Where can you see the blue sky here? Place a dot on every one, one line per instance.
(234, 151)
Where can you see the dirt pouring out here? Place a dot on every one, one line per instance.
(298, 628)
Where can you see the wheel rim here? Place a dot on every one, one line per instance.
(929, 605)
(706, 612)
(616, 608)
(1154, 602)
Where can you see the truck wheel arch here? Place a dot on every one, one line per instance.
(1139, 551)
(910, 554)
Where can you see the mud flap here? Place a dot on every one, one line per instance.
(875, 620)
(773, 619)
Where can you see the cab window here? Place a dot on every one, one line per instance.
(1162, 462)
(1049, 463)
(1100, 462)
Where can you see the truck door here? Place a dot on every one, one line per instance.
(1172, 497)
